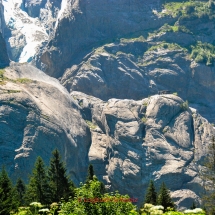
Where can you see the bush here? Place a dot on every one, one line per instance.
(203, 53)
(89, 200)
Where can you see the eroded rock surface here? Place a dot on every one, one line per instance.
(37, 115)
(157, 138)
(138, 68)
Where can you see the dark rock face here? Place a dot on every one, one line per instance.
(136, 69)
(35, 118)
(4, 60)
(87, 24)
(34, 7)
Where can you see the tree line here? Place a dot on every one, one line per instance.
(45, 186)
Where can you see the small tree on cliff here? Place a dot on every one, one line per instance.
(208, 176)
(90, 173)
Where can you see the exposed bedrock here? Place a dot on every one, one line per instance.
(155, 138)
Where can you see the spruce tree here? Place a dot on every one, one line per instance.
(38, 189)
(151, 195)
(8, 197)
(208, 176)
(61, 185)
(164, 198)
(20, 188)
(193, 206)
(90, 173)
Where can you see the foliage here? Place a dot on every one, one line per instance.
(8, 196)
(89, 200)
(208, 176)
(189, 9)
(184, 105)
(60, 184)
(144, 120)
(203, 53)
(38, 188)
(169, 28)
(193, 206)
(164, 198)
(195, 211)
(164, 45)
(20, 188)
(90, 124)
(151, 195)
(90, 173)
(23, 80)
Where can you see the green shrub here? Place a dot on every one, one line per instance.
(184, 105)
(203, 53)
(164, 45)
(90, 124)
(144, 120)
(23, 80)
(89, 200)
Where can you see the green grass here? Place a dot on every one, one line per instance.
(144, 120)
(23, 80)
(164, 45)
(13, 91)
(90, 124)
(189, 8)
(135, 39)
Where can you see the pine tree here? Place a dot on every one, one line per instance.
(193, 206)
(90, 173)
(8, 197)
(208, 176)
(38, 188)
(151, 195)
(61, 185)
(20, 188)
(164, 198)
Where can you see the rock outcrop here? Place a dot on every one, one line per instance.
(158, 138)
(87, 24)
(138, 68)
(4, 60)
(37, 115)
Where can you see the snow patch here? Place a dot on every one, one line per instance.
(33, 30)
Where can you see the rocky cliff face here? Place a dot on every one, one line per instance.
(128, 142)
(113, 57)
(37, 115)
(138, 68)
(157, 138)
(101, 21)
(4, 60)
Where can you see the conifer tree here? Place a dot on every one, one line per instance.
(193, 206)
(151, 195)
(8, 197)
(208, 176)
(20, 188)
(164, 198)
(38, 188)
(90, 173)
(61, 185)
